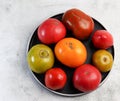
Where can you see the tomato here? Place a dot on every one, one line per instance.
(40, 58)
(102, 39)
(80, 23)
(71, 52)
(86, 78)
(55, 78)
(51, 31)
(103, 60)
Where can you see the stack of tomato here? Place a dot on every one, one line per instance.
(71, 52)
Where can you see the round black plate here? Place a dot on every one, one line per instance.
(69, 90)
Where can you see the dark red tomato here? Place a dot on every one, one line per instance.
(86, 78)
(51, 31)
(80, 23)
(102, 39)
(55, 78)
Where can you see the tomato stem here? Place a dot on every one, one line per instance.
(105, 59)
(43, 53)
(70, 44)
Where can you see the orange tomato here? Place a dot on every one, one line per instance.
(71, 52)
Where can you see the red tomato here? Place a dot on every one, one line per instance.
(55, 78)
(51, 31)
(86, 78)
(80, 23)
(102, 39)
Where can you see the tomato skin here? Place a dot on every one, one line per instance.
(55, 78)
(71, 52)
(40, 58)
(80, 23)
(102, 39)
(51, 31)
(103, 60)
(86, 78)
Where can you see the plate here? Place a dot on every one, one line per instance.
(69, 90)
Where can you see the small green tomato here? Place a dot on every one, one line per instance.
(40, 58)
